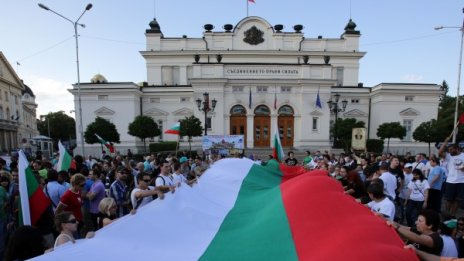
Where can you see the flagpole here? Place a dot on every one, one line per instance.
(247, 1)
(177, 145)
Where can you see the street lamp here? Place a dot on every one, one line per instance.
(456, 110)
(206, 108)
(335, 109)
(75, 24)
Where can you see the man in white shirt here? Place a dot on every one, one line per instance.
(144, 194)
(178, 177)
(454, 192)
(389, 181)
(380, 204)
(165, 182)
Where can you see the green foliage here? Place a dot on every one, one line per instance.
(62, 126)
(390, 130)
(342, 131)
(374, 145)
(163, 146)
(428, 132)
(191, 127)
(104, 129)
(143, 127)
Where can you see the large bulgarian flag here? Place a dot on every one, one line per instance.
(65, 159)
(32, 198)
(243, 211)
(175, 129)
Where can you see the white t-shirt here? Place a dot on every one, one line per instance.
(145, 200)
(405, 190)
(455, 168)
(418, 189)
(179, 179)
(449, 247)
(384, 207)
(389, 184)
(164, 180)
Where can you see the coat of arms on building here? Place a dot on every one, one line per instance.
(253, 36)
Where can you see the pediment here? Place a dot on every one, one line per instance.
(355, 113)
(183, 112)
(409, 112)
(316, 113)
(7, 72)
(156, 112)
(104, 111)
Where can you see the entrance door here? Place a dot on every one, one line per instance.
(238, 121)
(262, 126)
(286, 128)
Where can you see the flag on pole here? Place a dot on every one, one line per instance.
(109, 146)
(318, 101)
(290, 223)
(65, 159)
(277, 151)
(248, 2)
(249, 100)
(461, 119)
(32, 198)
(175, 129)
(275, 100)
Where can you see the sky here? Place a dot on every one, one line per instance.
(397, 35)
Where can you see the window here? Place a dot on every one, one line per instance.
(261, 89)
(102, 97)
(237, 88)
(1, 96)
(208, 122)
(409, 98)
(339, 76)
(238, 110)
(408, 125)
(16, 99)
(160, 127)
(315, 121)
(6, 96)
(285, 89)
(285, 111)
(170, 75)
(1, 113)
(354, 100)
(154, 100)
(184, 99)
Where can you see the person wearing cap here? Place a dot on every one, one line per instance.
(184, 166)
(403, 195)
(454, 193)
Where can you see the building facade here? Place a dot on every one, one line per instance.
(18, 123)
(262, 78)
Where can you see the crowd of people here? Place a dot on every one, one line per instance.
(406, 191)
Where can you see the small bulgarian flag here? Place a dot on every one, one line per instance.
(35, 203)
(175, 129)
(277, 151)
(65, 159)
(244, 211)
(109, 146)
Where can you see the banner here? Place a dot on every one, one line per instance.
(358, 139)
(223, 144)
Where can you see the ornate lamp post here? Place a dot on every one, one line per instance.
(335, 109)
(206, 108)
(76, 36)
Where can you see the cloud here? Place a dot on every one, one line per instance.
(412, 78)
(51, 95)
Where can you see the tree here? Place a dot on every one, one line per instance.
(62, 126)
(105, 129)
(143, 127)
(342, 132)
(190, 127)
(390, 130)
(428, 132)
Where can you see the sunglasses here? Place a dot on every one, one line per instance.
(72, 221)
(146, 180)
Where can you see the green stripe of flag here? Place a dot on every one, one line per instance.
(260, 225)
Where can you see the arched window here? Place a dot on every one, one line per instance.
(238, 110)
(8, 114)
(262, 110)
(285, 111)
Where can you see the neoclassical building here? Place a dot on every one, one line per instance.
(262, 78)
(18, 124)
